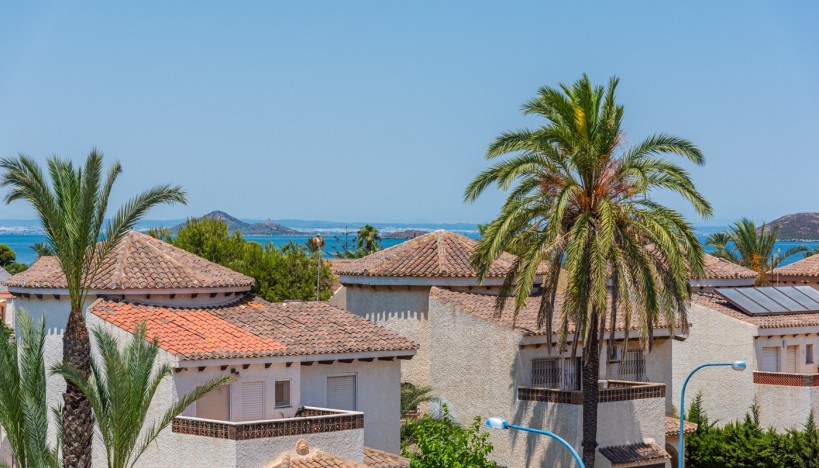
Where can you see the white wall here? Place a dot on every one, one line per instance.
(715, 337)
(378, 397)
(402, 310)
(476, 368)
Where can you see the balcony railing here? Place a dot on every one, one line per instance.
(312, 420)
(613, 390)
(786, 380)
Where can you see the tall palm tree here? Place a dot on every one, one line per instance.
(368, 239)
(745, 244)
(580, 196)
(121, 388)
(23, 407)
(72, 207)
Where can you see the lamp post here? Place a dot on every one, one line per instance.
(500, 423)
(736, 365)
(318, 244)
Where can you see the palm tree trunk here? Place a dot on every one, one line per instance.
(591, 392)
(78, 422)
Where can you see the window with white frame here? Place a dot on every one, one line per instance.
(556, 372)
(770, 359)
(282, 393)
(341, 392)
(808, 354)
(252, 401)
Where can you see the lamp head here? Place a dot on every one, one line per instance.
(738, 365)
(497, 423)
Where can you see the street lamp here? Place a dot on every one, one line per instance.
(736, 365)
(500, 423)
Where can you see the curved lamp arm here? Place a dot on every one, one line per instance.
(498, 423)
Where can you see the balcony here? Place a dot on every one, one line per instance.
(785, 379)
(312, 420)
(611, 390)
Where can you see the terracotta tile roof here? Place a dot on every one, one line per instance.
(806, 267)
(336, 265)
(718, 304)
(672, 427)
(379, 459)
(315, 459)
(139, 262)
(718, 268)
(439, 254)
(253, 327)
(483, 306)
(640, 452)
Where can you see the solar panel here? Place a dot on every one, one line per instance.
(783, 299)
(809, 291)
(799, 297)
(773, 300)
(740, 300)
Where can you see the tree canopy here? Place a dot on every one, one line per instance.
(286, 273)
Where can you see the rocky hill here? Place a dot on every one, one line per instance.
(797, 226)
(405, 234)
(247, 229)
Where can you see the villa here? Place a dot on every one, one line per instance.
(802, 272)
(775, 330)
(312, 385)
(5, 295)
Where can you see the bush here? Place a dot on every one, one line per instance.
(440, 442)
(746, 444)
(280, 273)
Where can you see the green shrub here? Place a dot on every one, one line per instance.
(746, 444)
(440, 442)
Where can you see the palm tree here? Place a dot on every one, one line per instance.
(23, 407)
(579, 197)
(121, 388)
(72, 207)
(42, 249)
(412, 396)
(368, 239)
(751, 247)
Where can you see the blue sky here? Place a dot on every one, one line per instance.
(382, 111)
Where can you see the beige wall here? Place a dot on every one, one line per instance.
(378, 387)
(476, 369)
(403, 310)
(727, 394)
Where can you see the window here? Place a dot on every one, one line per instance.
(252, 401)
(791, 359)
(770, 359)
(341, 392)
(282, 393)
(215, 404)
(809, 354)
(633, 366)
(557, 372)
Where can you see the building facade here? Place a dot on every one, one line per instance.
(301, 372)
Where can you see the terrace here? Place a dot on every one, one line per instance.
(610, 391)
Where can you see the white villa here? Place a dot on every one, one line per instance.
(313, 385)
(480, 365)
(804, 272)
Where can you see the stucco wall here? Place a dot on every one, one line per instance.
(474, 370)
(782, 342)
(403, 310)
(727, 394)
(784, 407)
(378, 397)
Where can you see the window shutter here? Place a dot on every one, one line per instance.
(791, 359)
(252, 401)
(770, 359)
(341, 392)
(215, 404)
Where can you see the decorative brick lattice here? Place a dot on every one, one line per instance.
(787, 380)
(617, 391)
(284, 427)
